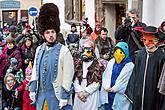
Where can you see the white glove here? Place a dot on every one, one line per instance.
(63, 102)
(32, 96)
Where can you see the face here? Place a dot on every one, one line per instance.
(133, 17)
(73, 29)
(50, 36)
(10, 81)
(83, 31)
(104, 34)
(10, 45)
(163, 29)
(119, 55)
(98, 27)
(28, 43)
(149, 41)
(6, 32)
(28, 76)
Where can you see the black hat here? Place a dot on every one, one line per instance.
(148, 30)
(73, 25)
(161, 32)
(48, 18)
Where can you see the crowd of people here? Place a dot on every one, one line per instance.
(89, 70)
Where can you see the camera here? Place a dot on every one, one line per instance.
(128, 22)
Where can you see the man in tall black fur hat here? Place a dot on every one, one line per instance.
(53, 67)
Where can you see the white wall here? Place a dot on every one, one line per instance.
(90, 12)
(153, 12)
(148, 12)
(159, 12)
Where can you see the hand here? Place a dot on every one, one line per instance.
(32, 96)
(16, 93)
(133, 22)
(6, 108)
(26, 61)
(123, 21)
(81, 96)
(109, 89)
(63, 102)
(105, 56)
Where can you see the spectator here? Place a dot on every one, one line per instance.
(60, 38)
(28, 52)
(27, 102)
(3, 50)
(126, 34)
(104, 45)
(98, 26)
(13, 52)
(9, 101)
(73, 36)
(86, 30)
(19, 76)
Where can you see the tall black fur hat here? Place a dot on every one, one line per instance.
(48, 18)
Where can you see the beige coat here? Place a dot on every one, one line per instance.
(65, 72)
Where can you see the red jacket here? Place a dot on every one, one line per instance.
(25, 87)
(26, 98)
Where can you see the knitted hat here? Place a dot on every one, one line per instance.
(73, 25)
(29, 69)
(48, 18)
(85, 26)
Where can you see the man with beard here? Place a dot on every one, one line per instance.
(53, 67)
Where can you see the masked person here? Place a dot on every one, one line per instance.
(27, 103)
(86, 30)
(87, 79)
(142, 87)
(53, 67)
(115, 79)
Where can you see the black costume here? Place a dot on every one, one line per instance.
(144, 80)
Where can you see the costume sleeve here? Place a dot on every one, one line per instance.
(19, 58)
(65, 94)
(77, 86)
(33, 81)
(92, 87)
(122, 80)
(121, 33)
(106, 78)
(68, 70)
(21, 87)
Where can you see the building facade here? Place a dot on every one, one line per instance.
(14, 11)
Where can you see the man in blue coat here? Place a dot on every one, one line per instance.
(53, 67)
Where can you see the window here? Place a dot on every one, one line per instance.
(10, 17)
(74, 10)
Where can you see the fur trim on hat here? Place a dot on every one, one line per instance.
(48, 18)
